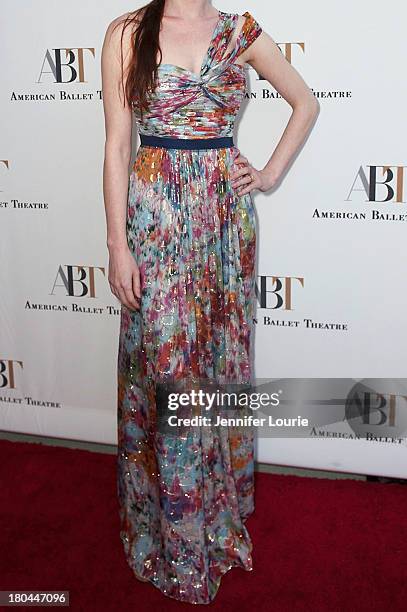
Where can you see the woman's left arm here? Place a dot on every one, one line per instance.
(268, 61)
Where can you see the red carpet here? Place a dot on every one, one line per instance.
(319, 544)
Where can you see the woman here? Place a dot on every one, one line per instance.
(181, 237)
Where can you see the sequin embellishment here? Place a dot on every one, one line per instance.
(183, 501)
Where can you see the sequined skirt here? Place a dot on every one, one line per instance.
(183, 500)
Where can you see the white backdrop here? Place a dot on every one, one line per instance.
(334, 228)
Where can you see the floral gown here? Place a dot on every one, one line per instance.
(183, 500)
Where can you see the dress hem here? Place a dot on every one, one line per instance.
(195, 603)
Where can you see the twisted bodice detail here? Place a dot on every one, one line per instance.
(204, 105)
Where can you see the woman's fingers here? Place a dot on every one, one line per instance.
(136, 284)
(124, 279)
(239, 161)
(250, 184)
(238, 173)
(243, 180)
(132, 299)
(127, 297)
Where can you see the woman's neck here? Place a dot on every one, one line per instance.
(189, 9)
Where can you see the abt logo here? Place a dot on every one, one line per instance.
(7, 373)
(377, 407)
(67, 65)
(387, 178)
(276, 292)
(77, 281)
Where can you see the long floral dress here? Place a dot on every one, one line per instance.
(183, 500)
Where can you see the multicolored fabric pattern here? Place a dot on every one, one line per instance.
(183, 500)
(205, 105)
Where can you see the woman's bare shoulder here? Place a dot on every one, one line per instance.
(125, 24)
(119, 34)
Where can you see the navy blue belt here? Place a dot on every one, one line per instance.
(168, 142)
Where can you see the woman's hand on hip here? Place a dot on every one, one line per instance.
(124, 277)
(246, 178)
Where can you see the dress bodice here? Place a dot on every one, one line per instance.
(205, 105)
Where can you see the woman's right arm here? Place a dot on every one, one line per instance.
(124, 276)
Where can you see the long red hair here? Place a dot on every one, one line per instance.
(145, 49)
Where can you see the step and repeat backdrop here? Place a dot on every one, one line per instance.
(331, 290)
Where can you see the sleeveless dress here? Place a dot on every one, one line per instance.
(183, 501)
